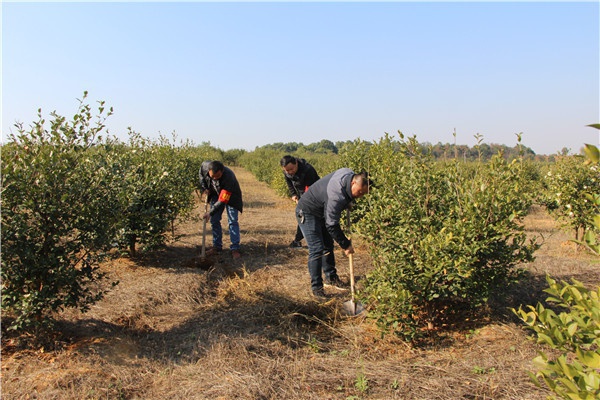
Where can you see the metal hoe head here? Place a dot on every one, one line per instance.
(352, 308)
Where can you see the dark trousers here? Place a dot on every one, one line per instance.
(321, 259)
(299, 235)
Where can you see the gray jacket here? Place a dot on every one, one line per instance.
(327, 198)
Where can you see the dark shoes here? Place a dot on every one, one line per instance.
(337, 283)
(295, 244)
(213, 251)
(319, 294)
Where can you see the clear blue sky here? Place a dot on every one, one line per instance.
(241, 75)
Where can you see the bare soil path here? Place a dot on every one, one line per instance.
(248, 329)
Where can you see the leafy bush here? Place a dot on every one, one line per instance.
(565, 183)
(230, 157)
(575, 374)
(591, 236)
(441, 234)
(158, 182)
(69, 196)
(323, 163)
(264, 164)
(575, 333)
(59, 213)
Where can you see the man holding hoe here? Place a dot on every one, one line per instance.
(319, 212)
(222, 189)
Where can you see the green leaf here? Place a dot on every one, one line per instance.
(572, 329)
(589, 358)
(543, 338)
(541, 361)
(597, 220)
(592, 152)
(593, 381)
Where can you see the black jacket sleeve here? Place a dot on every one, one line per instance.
(311, 175)
(229, 183)
(290, 185)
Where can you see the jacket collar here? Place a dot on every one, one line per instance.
(348, 187)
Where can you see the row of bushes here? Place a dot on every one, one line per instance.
(71, 196)
(445, 235)
(573, 330)
(567, 187)
(441, 234)
(264, 164)
(469, 236)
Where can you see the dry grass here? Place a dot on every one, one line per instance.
(248, 329)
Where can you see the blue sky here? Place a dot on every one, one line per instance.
(241, 75)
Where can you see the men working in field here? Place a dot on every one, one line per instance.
(319, 212)
(299, 175)
(223, 192)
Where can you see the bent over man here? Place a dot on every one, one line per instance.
(299, 175)
(319, 212)
(221, 186)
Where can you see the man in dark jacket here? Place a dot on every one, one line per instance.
(299, 175)
(319, 212)
(223, 192)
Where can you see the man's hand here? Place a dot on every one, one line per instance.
(206, 216)
(295, 199)
(349, 250)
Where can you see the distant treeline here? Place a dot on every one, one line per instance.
(482, 151)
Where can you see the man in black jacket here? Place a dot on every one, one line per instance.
(319, 213)
(299, 175)
(223, 192)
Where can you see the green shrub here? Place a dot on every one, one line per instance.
(231, 157)
(442, 234)
(59, 214)
(69, 196)
(565, 185)
(575, 374)
(264, 164)
(591, 236)
(158, 181)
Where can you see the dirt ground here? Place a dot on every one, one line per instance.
(249, 329)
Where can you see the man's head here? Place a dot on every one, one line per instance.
(289, 165)
(361, 184)
(215, 169)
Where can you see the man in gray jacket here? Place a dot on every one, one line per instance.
(319, 212)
